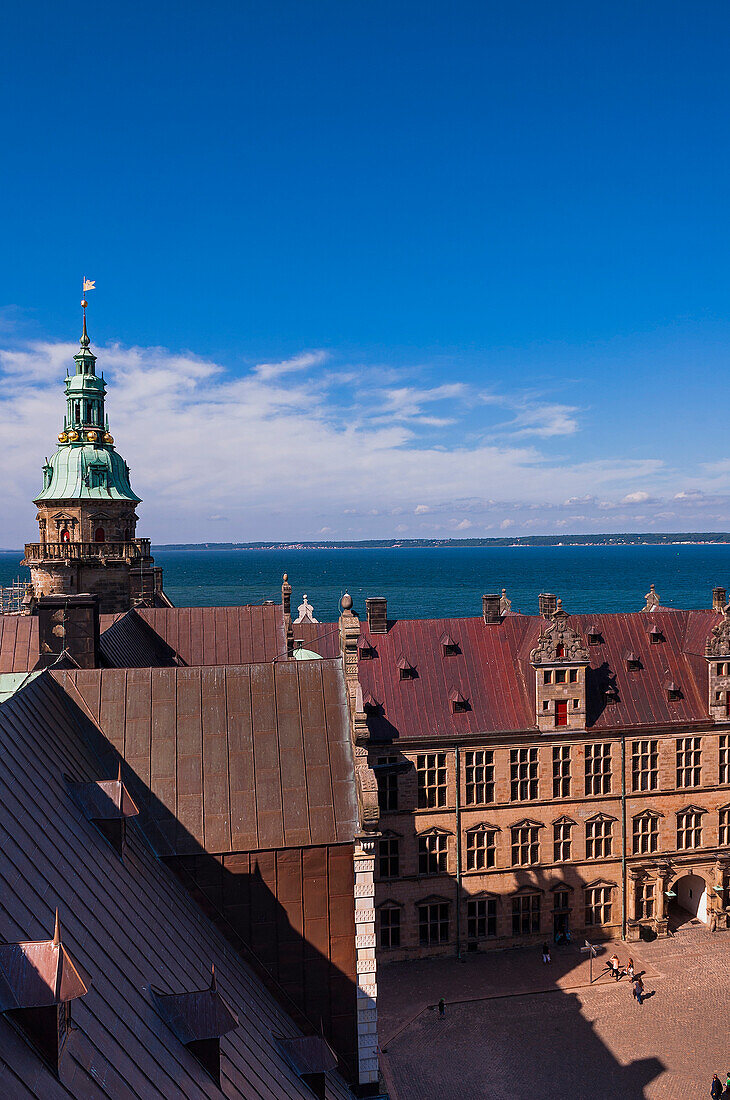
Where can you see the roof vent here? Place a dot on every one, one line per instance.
(68, 624)
(406, 669)
(459, 702)
(198, 1019)
(632, 660)
(107, 803)
(547, 603)
(491, 608)
(311, 1058)
(376, 608)
(673, 690)
(366, 651)
(610, 693)
(449, 646)
(593, 633)
(719, 599)
(38, 981)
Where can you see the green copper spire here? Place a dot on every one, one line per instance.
(86, 463)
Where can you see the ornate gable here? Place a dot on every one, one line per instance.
(718, 643)
(559, 642)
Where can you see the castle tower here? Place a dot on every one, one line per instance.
(86, 508)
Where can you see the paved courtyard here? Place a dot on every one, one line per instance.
(514, 1027)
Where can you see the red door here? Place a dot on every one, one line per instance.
(561, 712)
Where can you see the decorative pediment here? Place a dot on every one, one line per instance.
(559, 642)
(527, 888)
(564, 820)
(600, 882)
(433, 899)
(389, 903)
(555, 886)
(525, 822)
(691, 810)
(435, 831)
(483, 827)
(600, 817)
(647, 813)
(718, 643)
(385, 834)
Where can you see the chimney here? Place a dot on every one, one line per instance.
(548, 604)
(286, 594)
(70, 624)
(719, 599)
(377, 613)
(491, 608)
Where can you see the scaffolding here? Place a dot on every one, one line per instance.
(13, 598)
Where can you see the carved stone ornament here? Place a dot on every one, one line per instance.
(505, 604)
(559, 642)
(718, 643)
(652, 600)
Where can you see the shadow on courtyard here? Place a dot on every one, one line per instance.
(513, 1026)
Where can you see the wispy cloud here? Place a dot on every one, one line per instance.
(280, 452)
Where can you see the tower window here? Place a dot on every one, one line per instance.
(99, 535)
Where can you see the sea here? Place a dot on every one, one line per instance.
(438, 582)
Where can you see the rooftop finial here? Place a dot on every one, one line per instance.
(213, 983)
(88, 284)
(57, 930)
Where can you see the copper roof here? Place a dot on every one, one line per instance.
(220, 635)
(494, 672)
(232, 759)
(18, 643)
(127, 925)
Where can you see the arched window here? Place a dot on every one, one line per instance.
(99, 535)
(65, 535)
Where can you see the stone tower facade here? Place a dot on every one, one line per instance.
(86, 508)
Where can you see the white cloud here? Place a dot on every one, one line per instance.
(464, 525)
(276, 453)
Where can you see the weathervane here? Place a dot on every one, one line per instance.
(88, 284)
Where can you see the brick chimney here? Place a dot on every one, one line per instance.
(719, 599)
(491, 608)
(376, 608)
(547, 603)
(70, 624)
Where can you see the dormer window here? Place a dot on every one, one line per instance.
(673, 691)
(47, 476)
(559, 652)
(198, 1019)
(449, 646)
(365, 649)
(655, 634)
(370, 703)
(97, 477)
(633, 662)
(406, 670)
(459, 702)
(107, 804)
(38, 982)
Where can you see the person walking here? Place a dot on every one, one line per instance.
(442, 1008)
(545, 953)
(630, 969)
(716, 1090)
(639, 990)
(614, 963)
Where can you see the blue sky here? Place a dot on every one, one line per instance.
(398, 268)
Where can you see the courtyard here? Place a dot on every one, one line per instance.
(516, 1027)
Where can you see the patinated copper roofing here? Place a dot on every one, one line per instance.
(127, 926)
(233, 759)
(220, 635)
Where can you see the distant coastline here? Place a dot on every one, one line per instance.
(687, 538)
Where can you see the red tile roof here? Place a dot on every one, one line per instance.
(235, 758)
(128, 925)
(492, 670)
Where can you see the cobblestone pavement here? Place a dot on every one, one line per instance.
(514, 1027)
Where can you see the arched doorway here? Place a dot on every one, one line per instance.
(99, 535)
(691, 900)
(65, 535)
